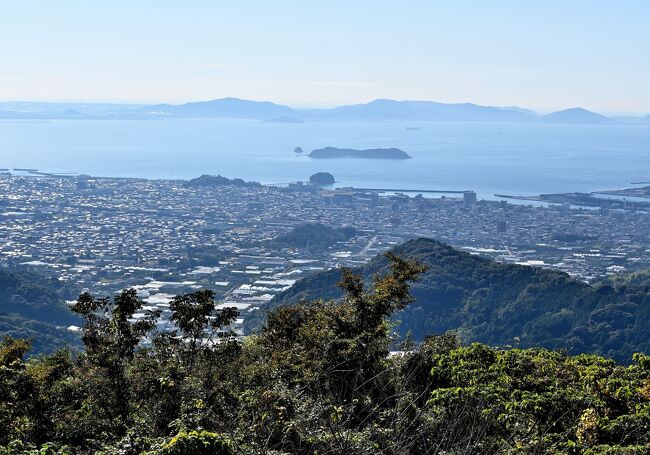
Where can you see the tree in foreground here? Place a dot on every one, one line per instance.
(319, 378)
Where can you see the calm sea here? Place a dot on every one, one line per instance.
(511, 158)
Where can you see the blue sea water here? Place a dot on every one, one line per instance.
(509, 158)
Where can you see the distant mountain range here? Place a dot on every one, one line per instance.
(226, 107)
(418, 111)
(377, 110)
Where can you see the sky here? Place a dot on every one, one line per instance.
(545, 55)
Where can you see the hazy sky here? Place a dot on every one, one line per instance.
(541, 54)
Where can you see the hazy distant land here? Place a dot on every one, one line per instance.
(642, 192)
(379, 153)
(377, 110)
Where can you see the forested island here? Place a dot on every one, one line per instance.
(379, 153)
(322, 179)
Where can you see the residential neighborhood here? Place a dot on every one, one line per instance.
(164, 238)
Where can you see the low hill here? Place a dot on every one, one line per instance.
(322, 179)
(639, 279)
(45, 337)
(32, 307)
(576, 115)
(224, 107)
(313, 236)
(216, 180)
(503, 304)
(381, 154)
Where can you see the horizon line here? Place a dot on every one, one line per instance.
(299, 106)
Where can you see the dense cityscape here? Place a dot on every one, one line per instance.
(165, 237)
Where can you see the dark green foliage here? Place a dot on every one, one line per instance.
(317, 379)
(108, 331)
(321, 178)
(193, 314)
(32, 296)
(218, 180)
(45, 337)
(196, 443)
(205, 255)
(314, 236)
(31, 307)
(537, 401)
(506, 305)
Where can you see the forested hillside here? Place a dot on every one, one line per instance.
(31, 307)
(313, 237)
(317, 379)
(506, 305)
